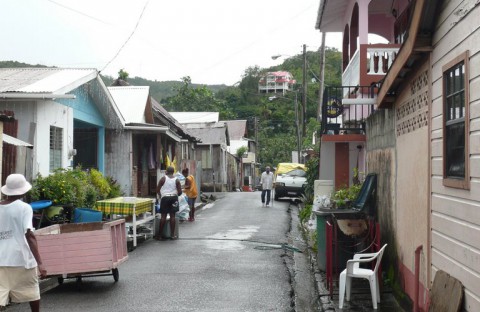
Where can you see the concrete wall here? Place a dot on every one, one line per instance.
(381, 159)
(412, 182)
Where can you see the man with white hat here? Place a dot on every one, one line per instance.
(18, 246)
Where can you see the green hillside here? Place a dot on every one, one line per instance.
(271, 122)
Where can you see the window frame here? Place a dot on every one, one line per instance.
(451, 181)
(55, 153)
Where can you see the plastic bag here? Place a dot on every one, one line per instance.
(180, 178)
(184, 209)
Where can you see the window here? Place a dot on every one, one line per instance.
(56, 144)
(456, 123)
(206, 159)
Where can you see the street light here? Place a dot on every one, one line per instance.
(299, 142)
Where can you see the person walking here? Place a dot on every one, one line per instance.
(191, 192)
(20, 262)
(266, 181)
(168, 189)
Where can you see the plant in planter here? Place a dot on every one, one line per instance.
(344, 196)
(71, 188)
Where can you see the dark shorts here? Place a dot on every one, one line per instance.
(191, 201)
(169, 204)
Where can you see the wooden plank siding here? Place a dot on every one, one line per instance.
(455, 219)
(82, 247)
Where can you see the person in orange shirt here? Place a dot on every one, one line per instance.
(190, 190)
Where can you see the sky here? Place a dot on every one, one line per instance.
(212, 41)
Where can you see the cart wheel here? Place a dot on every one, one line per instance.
(60, 280)
(115, 274)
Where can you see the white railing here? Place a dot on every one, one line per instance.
(380, 59)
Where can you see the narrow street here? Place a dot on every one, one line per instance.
(236, 256)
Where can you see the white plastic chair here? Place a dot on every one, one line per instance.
(353, 270)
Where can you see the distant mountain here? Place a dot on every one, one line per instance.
(15, 64)
(159, 90)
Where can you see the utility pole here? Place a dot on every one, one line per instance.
(304, 97)
(322, 79)
(298, 127)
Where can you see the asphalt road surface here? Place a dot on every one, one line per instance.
(230, 259)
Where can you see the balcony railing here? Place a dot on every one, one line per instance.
(345, 109)
(369, 64)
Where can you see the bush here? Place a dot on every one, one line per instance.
(305, 213)
(74, 186)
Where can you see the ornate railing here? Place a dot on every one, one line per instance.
(345, 109)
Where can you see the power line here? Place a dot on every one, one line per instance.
(79, 12)
(128, 39)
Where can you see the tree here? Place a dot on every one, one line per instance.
(122, 75)
(197, 99)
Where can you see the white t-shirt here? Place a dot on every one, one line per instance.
(15, 220)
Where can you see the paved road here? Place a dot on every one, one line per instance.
(229, 259)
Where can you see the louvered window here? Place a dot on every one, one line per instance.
(56, 144)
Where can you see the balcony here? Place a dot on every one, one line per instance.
(345, 109)
(369, 64)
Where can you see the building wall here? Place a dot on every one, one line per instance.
(412, 182)
(455, 216)
(118, 159)
(381, 159)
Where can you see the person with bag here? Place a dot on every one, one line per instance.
(20, 263)
(168, 189)
(191, 192)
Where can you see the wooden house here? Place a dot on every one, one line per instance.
(423, 138)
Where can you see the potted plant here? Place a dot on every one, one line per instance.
(71, 188)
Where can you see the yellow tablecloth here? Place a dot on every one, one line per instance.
(122, 206)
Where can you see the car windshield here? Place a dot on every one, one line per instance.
(296, 173)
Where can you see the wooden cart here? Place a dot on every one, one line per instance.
(76, 250)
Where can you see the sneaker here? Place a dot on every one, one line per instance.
(267, 205)
(263, 204)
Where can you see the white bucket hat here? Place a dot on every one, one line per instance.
(16, 185)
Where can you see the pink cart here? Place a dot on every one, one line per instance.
(76, 250)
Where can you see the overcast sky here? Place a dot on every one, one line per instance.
(212, 41)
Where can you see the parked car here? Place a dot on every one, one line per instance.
(290, 180)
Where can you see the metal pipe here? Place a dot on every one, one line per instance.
(417, 278)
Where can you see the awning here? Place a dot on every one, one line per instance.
(14, 141)
(154, 129)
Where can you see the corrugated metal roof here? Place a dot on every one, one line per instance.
(216, 135)
(14, 141)
(195, 117)
(236, 128)
(131, 102)
(43, 80)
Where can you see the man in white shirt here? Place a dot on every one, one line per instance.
(18, 246)
(267, 184)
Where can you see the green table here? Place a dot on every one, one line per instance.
(124, 205)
